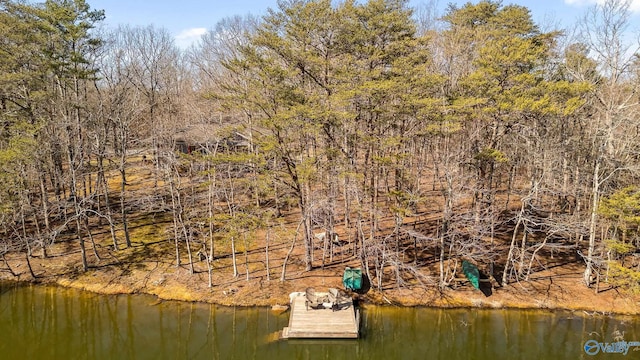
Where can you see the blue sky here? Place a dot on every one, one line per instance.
(188, 19)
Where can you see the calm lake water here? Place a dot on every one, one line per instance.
(39, 322)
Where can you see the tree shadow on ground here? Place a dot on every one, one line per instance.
(485, 284)
(366, 285)
(496, 273)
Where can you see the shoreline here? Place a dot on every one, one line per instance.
(504, 299)
(555, 288)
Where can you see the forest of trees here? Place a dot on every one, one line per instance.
(421, 139)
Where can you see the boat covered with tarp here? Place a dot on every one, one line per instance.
(472, 273)
(352, 278)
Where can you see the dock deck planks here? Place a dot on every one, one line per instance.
(320, 323)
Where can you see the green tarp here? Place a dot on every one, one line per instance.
(471, 272)
(352, 279)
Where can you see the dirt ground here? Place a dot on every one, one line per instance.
(149, 266)
(124, 273)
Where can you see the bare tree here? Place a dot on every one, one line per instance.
(604, 31)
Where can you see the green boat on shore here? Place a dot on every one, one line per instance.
(352, 278)
(472, 273)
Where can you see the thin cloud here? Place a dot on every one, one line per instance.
(634, 6)
(189, 36)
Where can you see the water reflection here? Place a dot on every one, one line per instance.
(57, 323)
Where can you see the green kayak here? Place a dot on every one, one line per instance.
(352, 278)
(472, 273)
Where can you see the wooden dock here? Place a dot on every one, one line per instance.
(321, 323)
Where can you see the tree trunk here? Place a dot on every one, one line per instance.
(233, 256)
(45, 213)
(512, 247)
(246, 255)
(189, 252)
(107, 203)
(308, 239)
(45, 202)
(595, 194)
(93, 243)
(83, 251)
(266, 254)
(176, 236)
(123, 194)
(448, 210)
(286, 258)
(210, 202)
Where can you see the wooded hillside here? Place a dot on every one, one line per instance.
(404, 140)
